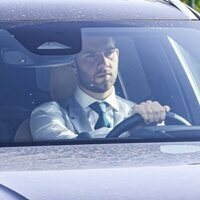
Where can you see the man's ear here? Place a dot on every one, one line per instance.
(117, 51)
(74, 67)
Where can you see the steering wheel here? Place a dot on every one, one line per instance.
(137, 119)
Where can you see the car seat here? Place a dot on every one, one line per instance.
(62, 84)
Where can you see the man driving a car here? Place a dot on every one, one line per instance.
(94, 109)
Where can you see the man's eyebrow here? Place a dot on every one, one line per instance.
(94, 50)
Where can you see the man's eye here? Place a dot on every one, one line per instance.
(109, 53)
(90, 56)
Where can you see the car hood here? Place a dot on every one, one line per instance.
(109, 171)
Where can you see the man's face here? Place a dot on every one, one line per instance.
(97, 64)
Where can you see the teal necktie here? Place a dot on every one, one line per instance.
(100, 109)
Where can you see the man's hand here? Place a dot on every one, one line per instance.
(151, 111)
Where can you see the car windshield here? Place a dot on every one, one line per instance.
(49, 76)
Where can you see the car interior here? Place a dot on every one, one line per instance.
(146, 72)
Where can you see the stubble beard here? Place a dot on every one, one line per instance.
(96, 87)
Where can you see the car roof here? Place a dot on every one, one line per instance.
(93, 10)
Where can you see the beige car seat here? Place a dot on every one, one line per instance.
(62, 83)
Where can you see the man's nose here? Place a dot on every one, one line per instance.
(103, 59)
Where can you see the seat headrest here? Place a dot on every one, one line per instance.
(62, 82)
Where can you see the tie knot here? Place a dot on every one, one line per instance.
(99, 107)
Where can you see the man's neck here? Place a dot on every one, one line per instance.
(99, 96)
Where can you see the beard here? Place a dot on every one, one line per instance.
(96, 86)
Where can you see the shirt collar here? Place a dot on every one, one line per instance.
(85, 100)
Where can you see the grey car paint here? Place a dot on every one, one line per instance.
(88, 10)
(106, 171)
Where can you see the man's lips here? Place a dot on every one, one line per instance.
(103, 74)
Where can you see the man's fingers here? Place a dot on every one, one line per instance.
(146, 111)
(167, 108)
(157, 110)
(140, 110)
(151, 111)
